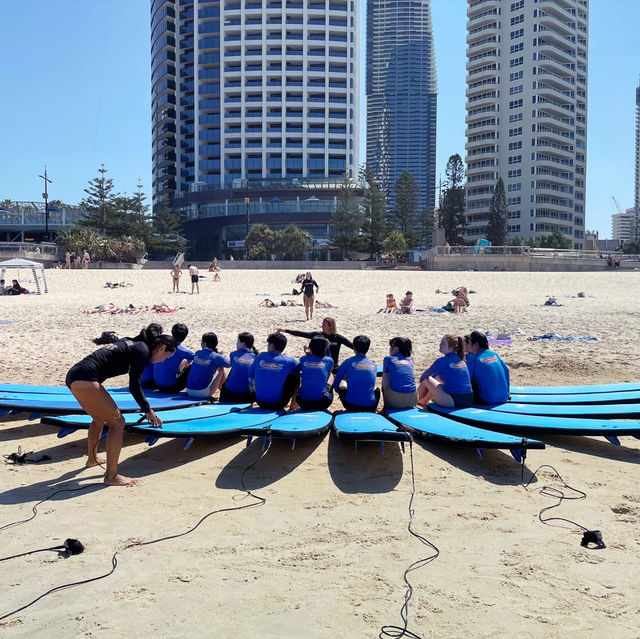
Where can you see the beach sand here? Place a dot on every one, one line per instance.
(324, 556)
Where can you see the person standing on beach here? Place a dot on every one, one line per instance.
(85, 379)
(67, 260)
(308, 295)
(176, 274)
(86, 258)
(195, 278)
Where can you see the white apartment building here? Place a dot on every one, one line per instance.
(636, 199)
(527, 114)
(623, 226)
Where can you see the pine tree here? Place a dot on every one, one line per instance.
(374, 226)
(498, 216)
(452, 207)
(405, 213)
(100, 205)
(347, 218)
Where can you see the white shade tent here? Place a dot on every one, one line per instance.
(36, 268)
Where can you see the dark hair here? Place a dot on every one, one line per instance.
(318, 346)
(480, 339)
(169, 342)
(278, 340)
(456, 343)
(247, 339)
(180, 332)
(403, 344)
(408, 293)
(361, 344)
(149, 335)
(210, 340)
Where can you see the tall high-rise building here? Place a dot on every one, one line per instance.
(527, 114)
(402, 94)
(636, 200)
(255, 113)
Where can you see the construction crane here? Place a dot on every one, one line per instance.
(617, 205)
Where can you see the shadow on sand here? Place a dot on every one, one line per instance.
(279, 461)
(598, 447)
(364, 469)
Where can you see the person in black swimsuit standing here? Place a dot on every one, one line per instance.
(308, 294)
(85, 379)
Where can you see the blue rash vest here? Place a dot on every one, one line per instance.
(269, 372)
(401, 375)
(315, 373)
(238, 380)
(205, 364)
(360, 375)
(453, 373)
(490, 377)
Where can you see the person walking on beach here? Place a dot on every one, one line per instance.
(176, 274)
(85, 380)
(308, 294)
(195, 278)
(86, 258)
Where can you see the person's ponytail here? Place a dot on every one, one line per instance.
(460, 348)
(149, 335)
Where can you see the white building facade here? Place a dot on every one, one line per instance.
(636, 200)
(623, 226)
(527, 115)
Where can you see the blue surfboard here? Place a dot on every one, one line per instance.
(538, 425)
(44, 404)
(367, 427)
(167, 416)
(582, 411)
(576, 390)
(301, 423)
(431, 426)
(622, 397)
(49, 390)
(254, 421)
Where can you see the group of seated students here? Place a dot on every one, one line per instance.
(14, 289)
(467, 373)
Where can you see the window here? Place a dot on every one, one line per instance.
(515, 104)
(513, 77)
(515, 117)
(518, 33)
(517, 186)
(514, 173)
(514, 48)
(517, 5)
(519, 88)
(516, 62)
(513, 200)
(517, 19)
(515, 159)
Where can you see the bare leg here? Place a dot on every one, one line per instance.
(311, 305)
(93, 439)
(436, 393)
(97, 402)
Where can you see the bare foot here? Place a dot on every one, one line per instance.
(98, 461)
(120, 480)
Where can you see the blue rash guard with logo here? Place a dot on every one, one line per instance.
(165, 373)
(453, 373)
(489, 376)
(401, 375)
(269, 372)
(205, 364)
(360, 375)
(238, 380)
(315, 373)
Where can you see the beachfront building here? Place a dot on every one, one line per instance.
(255, 114)
(402, 95)
(623, 226)
(636, 200)
(527, 114)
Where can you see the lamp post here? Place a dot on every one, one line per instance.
(45, 195)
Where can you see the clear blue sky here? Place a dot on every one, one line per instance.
(76, 93)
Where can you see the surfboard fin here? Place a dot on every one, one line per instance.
(613, 439)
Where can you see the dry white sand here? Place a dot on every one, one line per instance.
(325, 555)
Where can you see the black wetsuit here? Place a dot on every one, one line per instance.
(124, 356)
(335, 342)
(307, 287)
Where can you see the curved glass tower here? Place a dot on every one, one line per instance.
(250, 95)
(401, 94)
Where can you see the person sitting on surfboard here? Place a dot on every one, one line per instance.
(398, 381)
(274, 377)
(355, 380)
(315, 368)
(85, 379)
(489, 374)
(206, 374)
(171, 375)
(447, 382)
(236, 389)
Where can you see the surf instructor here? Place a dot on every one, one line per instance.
(85, 379)
(308, 294)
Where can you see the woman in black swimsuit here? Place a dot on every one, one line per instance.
(308, 294)
(85, 378)
(328, 331)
